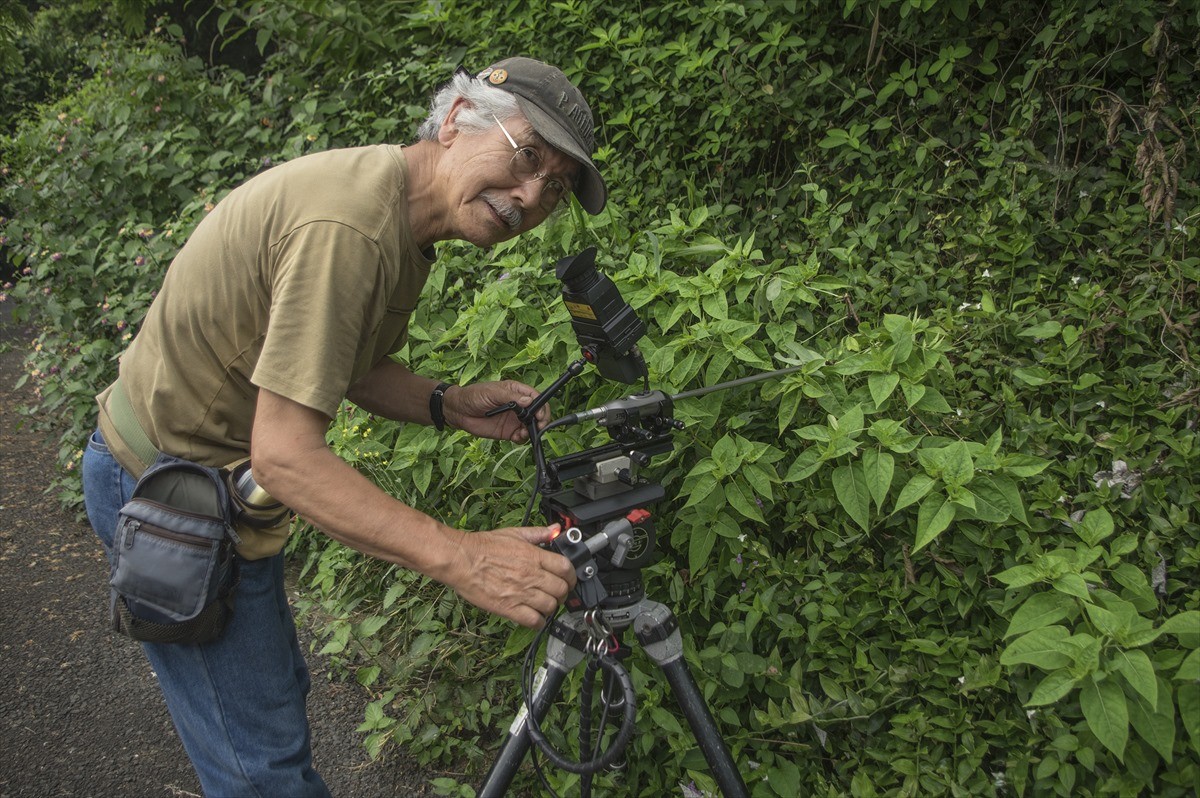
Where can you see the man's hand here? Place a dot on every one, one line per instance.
(466, 407)
(504, 572)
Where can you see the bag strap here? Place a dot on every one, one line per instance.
(129, 428)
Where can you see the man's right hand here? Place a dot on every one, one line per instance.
(504, 572)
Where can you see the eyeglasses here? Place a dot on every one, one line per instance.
(526, 166)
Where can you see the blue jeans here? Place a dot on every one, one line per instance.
(238, 703)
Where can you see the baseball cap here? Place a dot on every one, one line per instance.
(558, 113)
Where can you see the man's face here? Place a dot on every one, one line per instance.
(488, 202)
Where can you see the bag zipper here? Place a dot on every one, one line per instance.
(194, 541)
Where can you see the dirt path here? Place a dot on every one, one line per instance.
(80, 713)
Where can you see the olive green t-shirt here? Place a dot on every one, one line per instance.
(299, 281)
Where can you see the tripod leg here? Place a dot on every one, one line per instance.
(563, 653)
(658, 632)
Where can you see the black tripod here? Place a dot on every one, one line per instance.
(572, 637)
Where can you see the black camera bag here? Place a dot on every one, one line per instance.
(174, 569)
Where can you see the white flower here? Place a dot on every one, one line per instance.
(987, 272)
(742, 538)
(962, 679)
(1076, 280)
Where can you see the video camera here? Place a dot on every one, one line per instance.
(598, 496)
(608, 533)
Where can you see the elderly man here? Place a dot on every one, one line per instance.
(289, 297)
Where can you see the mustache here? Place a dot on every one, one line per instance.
(509, 213)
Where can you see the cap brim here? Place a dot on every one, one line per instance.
(590, 188)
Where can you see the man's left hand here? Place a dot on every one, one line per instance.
(466, 408)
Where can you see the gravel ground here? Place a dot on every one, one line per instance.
(80, 712)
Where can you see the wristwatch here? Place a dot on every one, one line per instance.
(435, 406)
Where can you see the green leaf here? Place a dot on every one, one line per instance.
(367, 675)
(807, 463)
(1056, 685)
(882, 386)
(879, 468)
(700, 545)
(932, 401)
(1155, 723)
(1185, 625)
(784, 778)
(914, 491)
(737, 500)
(1106, 621)
(1189, 669)
(1047, 329)
(1040, 610)
(933, 517)
(1044, 648)
(1095, 526)
(373, 717)
(912, 393)
(850, 486)
(893, 435)
(1072, 585)
(901, 329)
(991, 505)
(369, 627)
(1019, 576)
(851, 422)
(702, 490)
(725, 454)
(1034, 375)
(1137, 669)
(1012, 496)
(957, 468)
(1187, 697)
(1107, 713)
(1024, 465)
(815, 432)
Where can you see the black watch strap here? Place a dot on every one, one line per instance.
(435, 406)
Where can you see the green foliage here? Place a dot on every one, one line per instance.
(15, 20)
(954, 553)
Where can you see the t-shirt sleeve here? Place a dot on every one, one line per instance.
(326, 295)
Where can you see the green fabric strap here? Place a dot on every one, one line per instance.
(129, 428)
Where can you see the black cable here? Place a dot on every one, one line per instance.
(614, 669)
(585, 724)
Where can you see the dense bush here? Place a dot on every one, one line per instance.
(955, 553)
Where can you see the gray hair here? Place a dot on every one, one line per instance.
(476, 116)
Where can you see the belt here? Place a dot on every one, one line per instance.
(128, 426)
